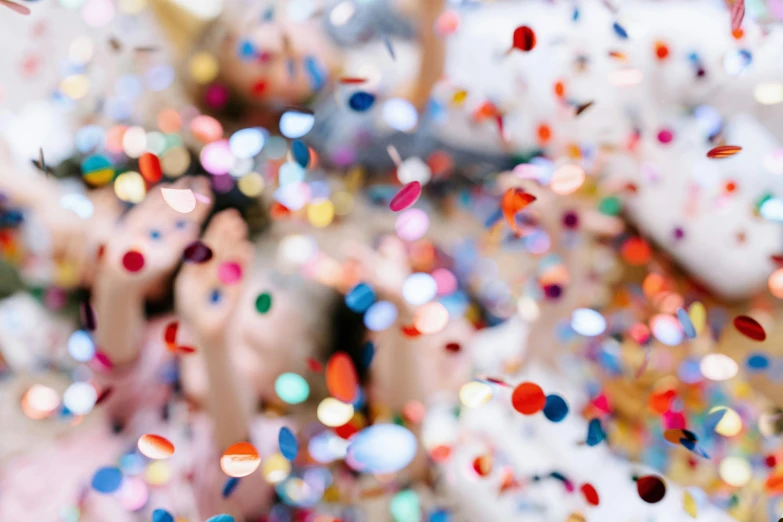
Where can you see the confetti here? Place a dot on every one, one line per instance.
(155, 446)
(651, 488)
(296, 122)
(149, 166)
(289, 447)
(107, 480)
(15, 7)
(750, 328)
(524, 39)
(240, 459)
(229, 273)
(161, 515)
(88, 316)
(737, 14)
(360, 298)
(301, 153)
(718, 367)
(179, 200)
(369, 452)
(197, 252)
(263, 303)
(515, 200)
(341, 378)
(595, 433)
(333, 413)
(723, 151)
(361, 101)
(431, 318)
(292, 388)
(133, 261)
(230, 485)
(556, 408)
(220, 518)
(587, 322)
(590, 494)
(528, 398)
(686, 323)
(406, 197)
(689, 504)
(620, 31)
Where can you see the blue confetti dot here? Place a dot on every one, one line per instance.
(161, 515)
(368, 352)
(155, 234)
(556, 408)
(221, 518)
(757, 362)
(440, 516)
(361, 101)
(289, 447)
(595, 433)
(301, 153)
(214, 297)
(360, 298)
(107, 480)
(620, 31)
(246, 51)
(230, 485)
(380, 316)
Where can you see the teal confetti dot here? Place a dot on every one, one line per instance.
(263, 303)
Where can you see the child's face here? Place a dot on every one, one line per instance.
(278, 61)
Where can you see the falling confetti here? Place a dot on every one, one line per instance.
(528, 398)
(524, 39)
(406, 197)
(240, 459)
(180, 200)
(750, 328)
(155, 446)
(737, 14)
(515, 200)
(723, 151)
(341, 378)
(651, 488)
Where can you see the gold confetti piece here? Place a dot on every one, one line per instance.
(689, 504)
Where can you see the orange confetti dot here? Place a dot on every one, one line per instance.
(341, 379)
(528, 398)
(155, 446)
(636, 251)
(169, 121)
(661, 50)
(738, 34)
(544, 134)
(240, 460)
(149, 166)
(431, 318)
(730, 187)
(559, 89)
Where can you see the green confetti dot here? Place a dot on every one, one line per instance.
(610, 206)
(263, 303)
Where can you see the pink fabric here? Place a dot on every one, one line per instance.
(42, 484)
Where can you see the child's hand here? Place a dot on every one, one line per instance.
(157, 232)
(384, 269)
(206, 294)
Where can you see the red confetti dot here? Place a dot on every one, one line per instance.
(651, 489)
(723, 151)
(750, 328)
(590, 494)
(636, 251)
(528, 398)
(661, 50)
(524, 38)
(133, 261)
(149, 166)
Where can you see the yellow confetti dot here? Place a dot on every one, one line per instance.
(203, 67)
(474, 394)
(275, 468)
(75, 86)
(157, 473)
(698, 315)
(730, 424)
(333, 413)
(689, 504)
(320, 213)
(251, 184)
(130, 187)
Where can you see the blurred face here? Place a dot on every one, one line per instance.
(278, 61)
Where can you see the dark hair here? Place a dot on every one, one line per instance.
(348, 334)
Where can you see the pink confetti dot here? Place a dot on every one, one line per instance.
(665, 136)
(133, 261)
(229, 273)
